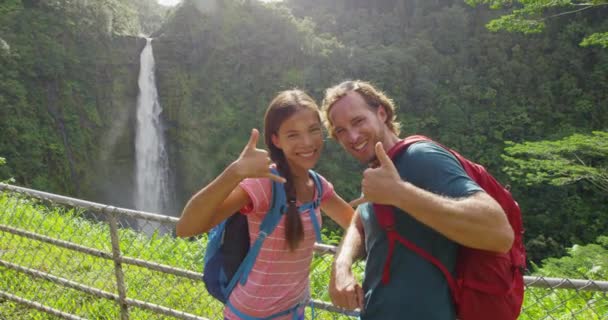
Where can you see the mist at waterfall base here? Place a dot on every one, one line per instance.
(152, 181)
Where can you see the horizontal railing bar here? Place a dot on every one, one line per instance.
(530, 281)
(319, 248)
(94, 206)
(324, 249)
(561, 283)
(331, 308)
(39, 306)
(100, 293)
(101, 254)
(163, 310)
(56, 242)
(60, 281)
(162, 268)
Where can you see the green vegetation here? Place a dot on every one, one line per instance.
(67, 115)
(66, 74)
(72, 226)
(3, 175)
(452, 80)
(567, 161)
(533, 16)
(589, 261)
(142, 284)
(531, 106)
(582, 262)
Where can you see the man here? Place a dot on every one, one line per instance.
(437, 207)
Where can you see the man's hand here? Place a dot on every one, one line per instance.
(344, 290)
(379, 184)
(254, 162)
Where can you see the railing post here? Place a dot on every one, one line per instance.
(117, 256)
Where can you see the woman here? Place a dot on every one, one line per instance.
(278, 283)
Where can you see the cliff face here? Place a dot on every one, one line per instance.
(68, 91)
(111, 179)
(217, 69)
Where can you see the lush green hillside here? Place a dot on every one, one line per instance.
(68, 89)
(67, 94)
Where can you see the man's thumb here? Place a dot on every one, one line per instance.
(381, 155)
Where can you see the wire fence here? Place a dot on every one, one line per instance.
(67, 258)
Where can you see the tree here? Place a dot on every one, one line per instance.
(589, 261)
(579, 157)
(530, 16)
(2, 174)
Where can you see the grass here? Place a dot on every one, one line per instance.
(87, 229)
(142, 284)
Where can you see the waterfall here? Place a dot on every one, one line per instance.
(151, 162)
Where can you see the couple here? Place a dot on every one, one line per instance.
(438, 205)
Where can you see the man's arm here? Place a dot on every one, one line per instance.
(475, 220)
(344, 290)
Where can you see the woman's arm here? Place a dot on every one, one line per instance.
(222, 197)
(214, 203)
(338, 210)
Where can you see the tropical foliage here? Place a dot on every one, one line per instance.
(533, 16)
(575, 158)
(588, 261)
(68, 91)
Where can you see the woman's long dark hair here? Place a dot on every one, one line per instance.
(283, 106)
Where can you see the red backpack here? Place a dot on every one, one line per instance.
(487, 285)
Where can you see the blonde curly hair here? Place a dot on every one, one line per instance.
(372, 96)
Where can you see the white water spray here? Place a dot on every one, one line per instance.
(151, 161)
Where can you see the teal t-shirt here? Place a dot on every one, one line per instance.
(417, 289)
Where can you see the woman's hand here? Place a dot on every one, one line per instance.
(254, 162)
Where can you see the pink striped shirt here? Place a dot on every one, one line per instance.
(279, 278)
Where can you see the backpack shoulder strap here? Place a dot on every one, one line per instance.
(271, 220)
(384, 214)
(386, 218)
(315, 204)
(277, 207)
(318, 186)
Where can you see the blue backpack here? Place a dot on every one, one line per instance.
(227, 262)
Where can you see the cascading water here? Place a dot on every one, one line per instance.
(151, 161)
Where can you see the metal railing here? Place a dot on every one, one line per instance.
(75, 259)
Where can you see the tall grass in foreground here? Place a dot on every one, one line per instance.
(87, 229)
